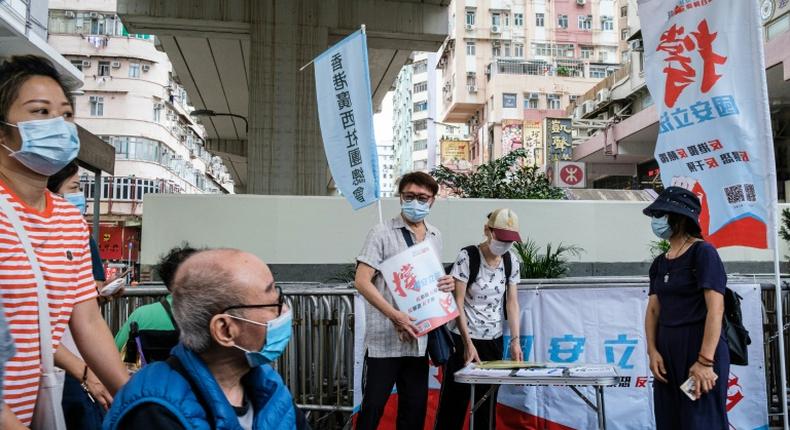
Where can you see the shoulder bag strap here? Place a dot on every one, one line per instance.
(407, 236)
(169, 310)
(44, 323)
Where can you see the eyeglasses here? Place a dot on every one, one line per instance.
(278, 305)
(422, 198)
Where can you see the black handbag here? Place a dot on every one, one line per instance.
(440, 345)
(736, 334)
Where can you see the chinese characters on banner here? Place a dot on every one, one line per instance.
(412, 277)
(533, 143)
(455, 154)
(559, 141)
(345, 110)
(705, 69)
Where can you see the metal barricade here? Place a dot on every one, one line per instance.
(318, 365)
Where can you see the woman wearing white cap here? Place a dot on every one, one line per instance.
(486, 281)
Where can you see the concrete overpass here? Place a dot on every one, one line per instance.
(242, 57)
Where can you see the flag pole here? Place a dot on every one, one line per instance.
(780, 318)
(381, 217)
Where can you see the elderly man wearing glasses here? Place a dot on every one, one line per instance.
(395, 355)
(234, 323)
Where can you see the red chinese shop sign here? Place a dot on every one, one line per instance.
(705, 70)
(115, 242)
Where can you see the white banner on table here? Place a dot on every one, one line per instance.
(412, 276)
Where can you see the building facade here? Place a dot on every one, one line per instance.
(619, 131)
(508, 64)
(132, 100)
(387, 166)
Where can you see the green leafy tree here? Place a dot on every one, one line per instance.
(503, 178)
(551, 264)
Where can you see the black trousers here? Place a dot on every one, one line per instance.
(410, 375)
(454, 398)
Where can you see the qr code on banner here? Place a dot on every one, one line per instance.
(735, 194)
(740, 193)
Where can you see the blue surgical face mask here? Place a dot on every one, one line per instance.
(48, 145)
(77, 199)
(415, 211)
(661, 227)
(278, 334)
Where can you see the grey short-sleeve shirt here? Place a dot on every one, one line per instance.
(384, 241)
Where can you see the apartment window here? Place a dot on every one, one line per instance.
(624, 12)
(572, 98)
(531, 102)
(607, 23)
(77, 64)
(585, 22)
(539, 17)
(562, 21)
(496, 50)
(603, 56)
(104, 68)
(508, 100)
(507, 49)
(421, 66)
(420, 145)
(496, 19)
(470, 48)
(518, 50)
(586, 52)
(97, 26)
(134, 70)
(623, 34)
(518, 19)
(421, 124)
(420, 87)
(97, 106)
(157, 112)
(553, 101)
(470, 17)
(597, 72)
(420, 106)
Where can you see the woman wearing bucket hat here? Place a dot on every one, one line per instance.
(683, 322)
(486, 281)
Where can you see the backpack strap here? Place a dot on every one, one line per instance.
(407, 236)
(165, 304)
(131, 343)
(474, 262)
(176, 365)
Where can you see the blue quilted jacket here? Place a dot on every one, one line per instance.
(160, 384)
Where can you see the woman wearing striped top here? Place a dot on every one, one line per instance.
(38, 138)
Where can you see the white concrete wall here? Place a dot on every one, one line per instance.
(324, 230)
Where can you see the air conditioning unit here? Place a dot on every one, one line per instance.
(470, 27)
(578, 112)
(602, 96)
(94, 14)
(471, 88)
(116, 64)
(638, 45)
(581, 2)
(146, 67)
(587, 107)
(69, 14)
(495, 29)
(86, 64)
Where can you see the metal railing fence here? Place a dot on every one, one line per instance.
(318, 365)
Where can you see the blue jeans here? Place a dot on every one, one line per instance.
(80, 411)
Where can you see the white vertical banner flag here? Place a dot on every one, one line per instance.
(706, 72)
(345, 110)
